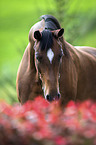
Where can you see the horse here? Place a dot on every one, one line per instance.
(53, 68)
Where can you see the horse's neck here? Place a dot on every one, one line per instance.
(38, 26)
(69, 71)
(72, 53)
(70, 48)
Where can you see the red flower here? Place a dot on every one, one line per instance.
(60, 140)
(40, 121)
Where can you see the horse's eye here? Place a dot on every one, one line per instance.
(59, 57)
(39, 58)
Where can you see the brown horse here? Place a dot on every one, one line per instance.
(53, 68)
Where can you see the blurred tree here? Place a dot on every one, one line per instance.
(68, 20)
(75, 22)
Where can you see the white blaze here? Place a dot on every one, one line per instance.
(50, 55)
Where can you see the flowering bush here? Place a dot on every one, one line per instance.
(40, 123)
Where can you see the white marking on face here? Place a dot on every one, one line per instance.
(50, 55)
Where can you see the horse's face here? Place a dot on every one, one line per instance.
(48, 57)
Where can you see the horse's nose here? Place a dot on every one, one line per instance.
(55, 98)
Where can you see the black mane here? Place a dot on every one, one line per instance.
(46, 40)
(51, 24)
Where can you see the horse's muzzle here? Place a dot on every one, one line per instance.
(51, 98)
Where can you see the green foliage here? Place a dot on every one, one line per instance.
(79, 20)
(16, 18)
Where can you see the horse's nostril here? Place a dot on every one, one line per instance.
(59, 95)
(48, 97)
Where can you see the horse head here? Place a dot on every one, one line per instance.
(48, 57)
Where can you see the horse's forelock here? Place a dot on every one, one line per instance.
(46, 40)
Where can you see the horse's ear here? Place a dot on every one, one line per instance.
(61, 32)
(58, 33)
(37, 35)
